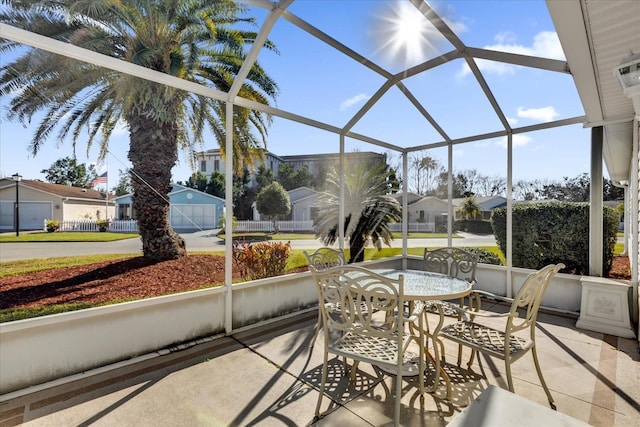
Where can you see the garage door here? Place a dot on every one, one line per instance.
(32, 215)
(193, 217)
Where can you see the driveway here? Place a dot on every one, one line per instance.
(198, 241)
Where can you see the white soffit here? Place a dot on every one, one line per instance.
(596, 36)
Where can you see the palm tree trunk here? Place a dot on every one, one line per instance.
(153, 151)
(357, 243)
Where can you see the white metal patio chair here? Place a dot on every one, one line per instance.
(504, 343)
(322, 259)
(454, 262)
(351, 333)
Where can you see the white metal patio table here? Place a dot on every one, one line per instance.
(428, 286)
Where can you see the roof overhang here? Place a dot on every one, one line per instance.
(596, 36)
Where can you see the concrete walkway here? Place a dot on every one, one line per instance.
(268, 376)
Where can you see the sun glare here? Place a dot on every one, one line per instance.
(402, 33)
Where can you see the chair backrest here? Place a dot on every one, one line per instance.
(451, 261)
(323, 258)
(349, 294)
(529, 298)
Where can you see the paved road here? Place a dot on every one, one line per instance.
(199, 241)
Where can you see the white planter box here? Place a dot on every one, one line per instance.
(605, 307)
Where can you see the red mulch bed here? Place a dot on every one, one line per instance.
(135, 278)
(132, 278)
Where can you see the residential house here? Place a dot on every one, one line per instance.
(304, 203)
(191, 209)
(426, 210)
(40, 201)
(486, 205)
(318, 165)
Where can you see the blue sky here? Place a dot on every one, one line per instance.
(321, 83)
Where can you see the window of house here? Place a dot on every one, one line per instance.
(216, 165)
(124, 211)
(203, 165)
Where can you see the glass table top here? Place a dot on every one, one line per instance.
(426, 285)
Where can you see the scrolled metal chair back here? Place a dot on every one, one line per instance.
(324, 258)
(452, 261)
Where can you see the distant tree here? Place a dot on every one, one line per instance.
(273, 201)
(423, 173)
(216, 185)
(197, 181)
(243, 196)
(67, 171)
(570, 190)
(469, 208)
(527, 190)
(264, 177)
(459, 186)
(612, 192)
(124, 183)
(291, 179)
(491, 185)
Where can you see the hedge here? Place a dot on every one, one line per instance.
(551, 232)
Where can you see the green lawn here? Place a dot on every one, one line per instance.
(63, 236)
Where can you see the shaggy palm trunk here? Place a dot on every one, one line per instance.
(357, 244)
(153, 151)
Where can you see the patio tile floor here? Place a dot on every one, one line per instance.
(268, 376)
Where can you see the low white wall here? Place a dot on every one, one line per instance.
(37, 350)
(34, 351)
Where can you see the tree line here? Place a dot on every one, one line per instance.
(428, 177)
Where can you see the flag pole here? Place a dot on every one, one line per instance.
(106, 197)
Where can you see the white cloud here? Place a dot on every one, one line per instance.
(353, 100)
(512, 120)
(546, 44)
(519, 140)
(458, 152)
(545, 114)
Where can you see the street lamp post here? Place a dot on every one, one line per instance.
(17, 178)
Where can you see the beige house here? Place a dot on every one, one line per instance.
(40, 201)
(426, 210)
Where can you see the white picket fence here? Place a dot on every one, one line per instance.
(115, 226)
(414, 227)
(267, 226)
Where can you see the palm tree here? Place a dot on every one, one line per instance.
(368, 208)
(469, 208)
(190, 39)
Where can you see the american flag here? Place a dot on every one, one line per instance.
(102, 179)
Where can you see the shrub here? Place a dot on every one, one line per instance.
(473, 226)
(52, 225)
(102, 224)
(484, 256)
(261, 260)
(551, 232)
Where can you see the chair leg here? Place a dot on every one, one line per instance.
(544, 384)
(354, 368)
(323, 381)
(396, 415)
(507, 364)
(317, 330)
(471, 358)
